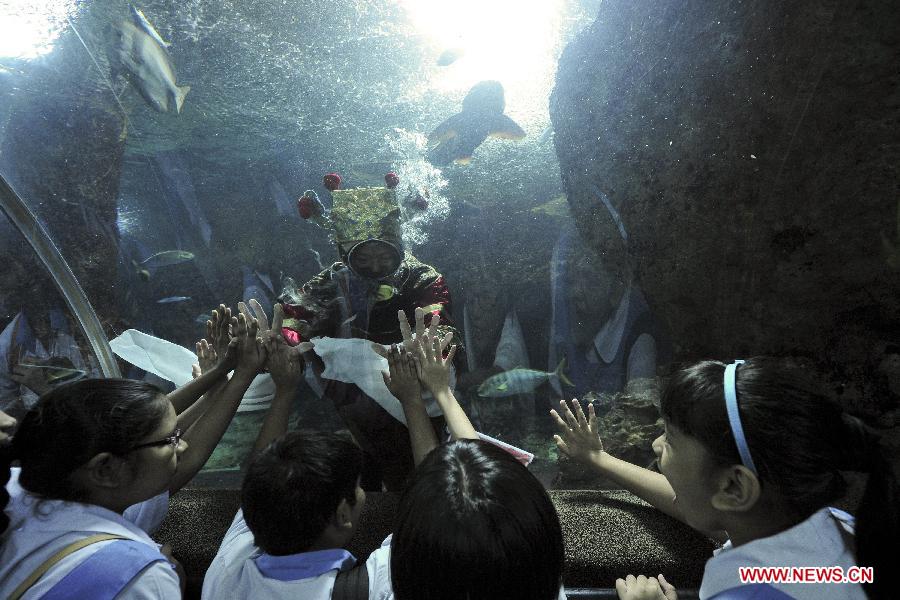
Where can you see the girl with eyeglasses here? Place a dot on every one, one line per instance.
(98, 459)
(753, 454)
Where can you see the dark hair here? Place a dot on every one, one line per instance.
(293, 488)
(476, 524)
(799, 438)
(71, 424)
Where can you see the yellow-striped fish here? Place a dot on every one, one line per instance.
(519, 381)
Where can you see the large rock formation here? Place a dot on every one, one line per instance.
(750, 149)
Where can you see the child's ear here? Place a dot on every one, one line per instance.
(738, 490)
(105, 470)
(343, 516)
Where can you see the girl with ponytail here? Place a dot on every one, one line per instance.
(753, 453)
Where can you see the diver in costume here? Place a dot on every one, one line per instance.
(359, 297)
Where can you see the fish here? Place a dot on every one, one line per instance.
(167, 258)
(144, 274)
(173, 299)
(456, 138)
(348, 321)
(558, 207)
(519, 381)
(140, 54)
(55, 374)
(202, 319)
(450, 56)
(148, 26)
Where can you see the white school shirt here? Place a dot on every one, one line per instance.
(819, 541)
(38, 530)
(235, 572)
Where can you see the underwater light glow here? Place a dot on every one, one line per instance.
(510, 40)
(28, 28)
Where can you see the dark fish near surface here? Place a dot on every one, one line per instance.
(519, 381)
(167, 258)
(141, 54)
(455, 139)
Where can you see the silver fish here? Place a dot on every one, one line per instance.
(519, 381)
(167, 258)
(147, 65)
(172, 299)
(145, 23)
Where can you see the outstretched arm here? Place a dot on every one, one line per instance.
(217, 332)
(286, 368)
(403, 383)
(579, 439)
(204, 434)
(434, 374)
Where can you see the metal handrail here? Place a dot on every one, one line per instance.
(28, 225)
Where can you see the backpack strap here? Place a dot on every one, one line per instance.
(104, 574)
(50, 562)
(352, 584)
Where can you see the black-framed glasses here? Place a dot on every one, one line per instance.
(172, 440)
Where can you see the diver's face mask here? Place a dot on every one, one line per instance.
(374, 259)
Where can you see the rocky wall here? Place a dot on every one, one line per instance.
(750, 149)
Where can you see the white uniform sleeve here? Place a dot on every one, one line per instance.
(149, 514)
(378, 566)
(159, 581)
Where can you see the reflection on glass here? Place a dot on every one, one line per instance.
(41, 344)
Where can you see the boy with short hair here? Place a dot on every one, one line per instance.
(300, 504)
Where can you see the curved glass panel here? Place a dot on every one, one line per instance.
(41, 342)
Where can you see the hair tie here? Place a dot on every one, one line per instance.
(734, 417)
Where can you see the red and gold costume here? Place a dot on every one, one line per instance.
(340, 303)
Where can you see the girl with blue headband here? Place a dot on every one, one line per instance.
(752, 454)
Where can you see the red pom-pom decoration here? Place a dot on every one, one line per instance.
(391, 180)
(305, 206)
(332, 182)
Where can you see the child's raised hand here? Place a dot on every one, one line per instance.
(219, 334)
(206, 357)
(250, 349)
(410, 341)
(401, 379)
(284, 363)
(645, 588)
(578, 436)
(432, 368)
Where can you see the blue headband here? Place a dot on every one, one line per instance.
(734, 418)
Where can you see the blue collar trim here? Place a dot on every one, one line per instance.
(304, 564)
